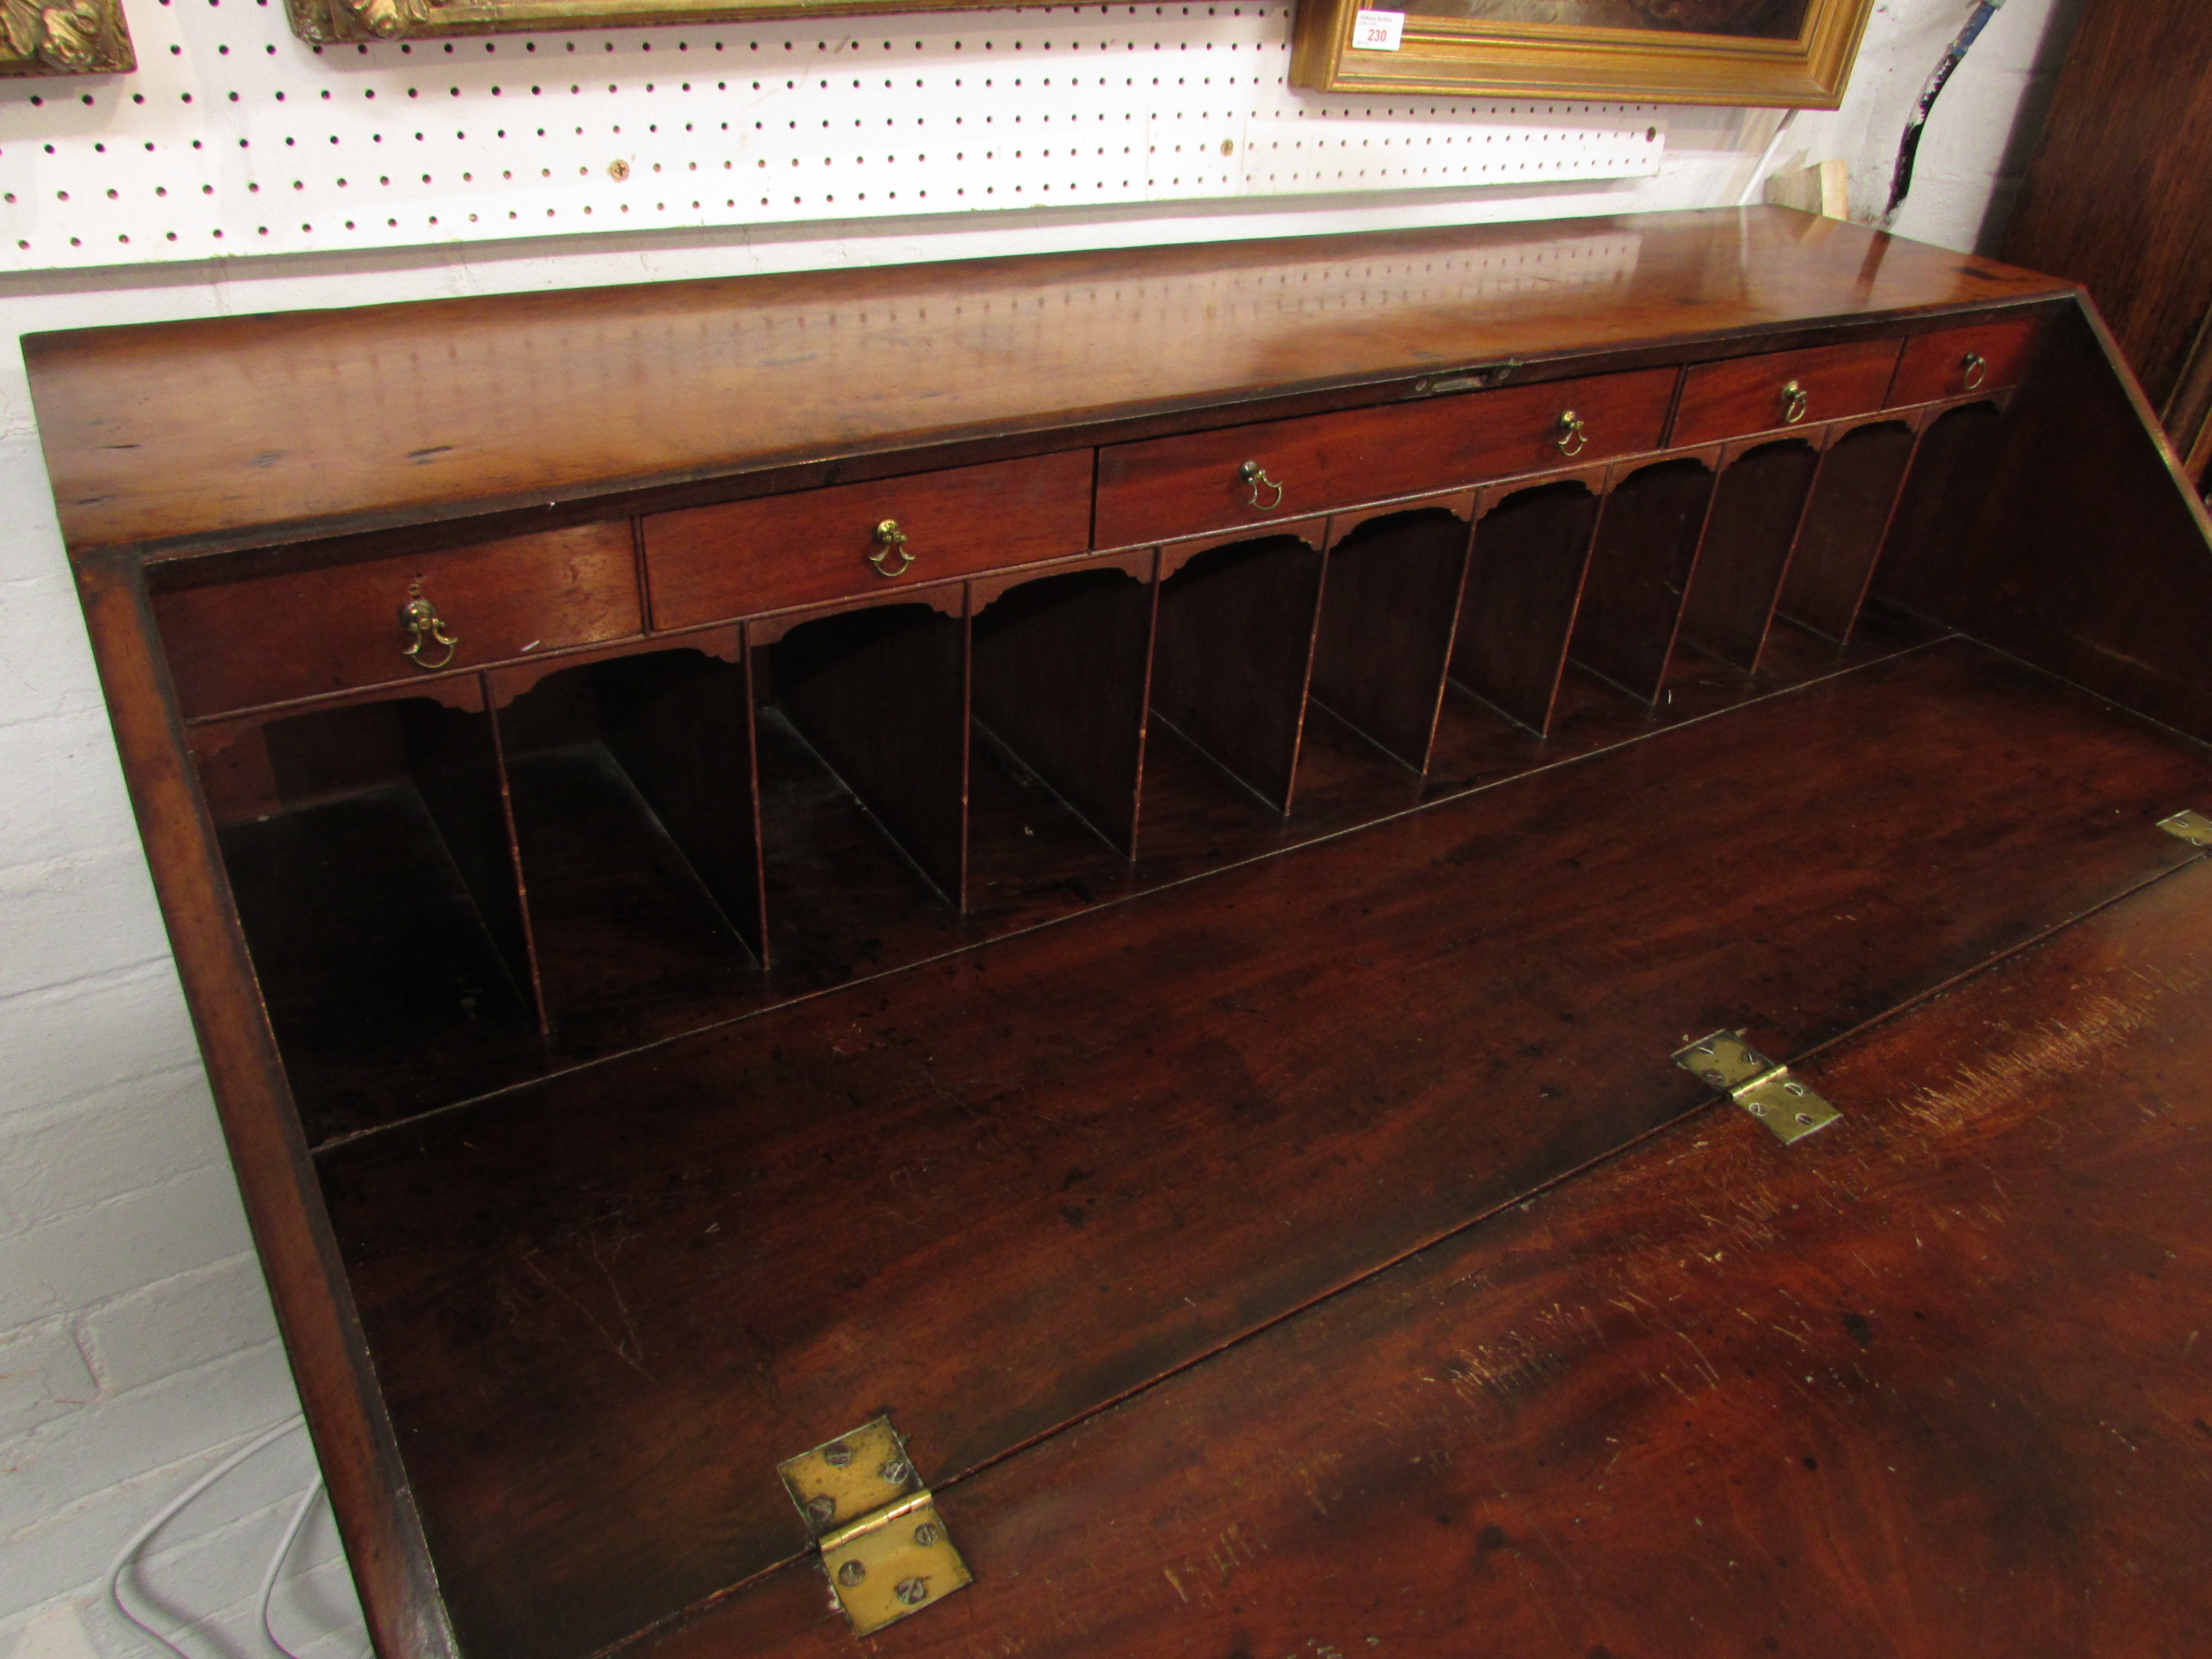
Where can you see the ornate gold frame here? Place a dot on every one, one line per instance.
(65, 37)
(1550, 60)
(327, 21)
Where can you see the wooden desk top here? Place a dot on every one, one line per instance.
(200, 436)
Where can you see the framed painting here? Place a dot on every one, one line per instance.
(1770, 53)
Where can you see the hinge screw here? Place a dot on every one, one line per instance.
(895, 1473)
(912, 1591)
(851, 1573)
(927, 1534)
(820, 1509)
(838, 1456)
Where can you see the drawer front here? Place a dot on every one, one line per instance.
(1784, 388)
(1987, 356)
(269, 639)
(1168, 487)
(707, 564)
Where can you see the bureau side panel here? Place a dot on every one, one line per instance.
(2092, 556)
(314, 1305)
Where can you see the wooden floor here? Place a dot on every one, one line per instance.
(1937, 1381)
(1862, 1396)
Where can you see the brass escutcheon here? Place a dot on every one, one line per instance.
(1973, 369)
(424, 625)
(890, 540)
(1568, 434)
(1254, 474)
(1795, 401)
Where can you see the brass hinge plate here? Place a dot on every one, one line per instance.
(884, 1547)
(1765, 1090)
(2192, 827)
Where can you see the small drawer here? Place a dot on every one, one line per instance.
(1166, 488)
(737, 559)
(1986, 357)
(1783, 388)
(269, 639)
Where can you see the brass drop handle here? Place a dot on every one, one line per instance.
(1794, 399)
(1254, 474)
(1973, 369)
(890, 542)
(1568, 434)
(424, 627)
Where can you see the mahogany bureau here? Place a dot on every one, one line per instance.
(995, 842)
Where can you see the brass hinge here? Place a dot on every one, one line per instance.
(2192, 827)
(1755, 1083)
(884, 1547)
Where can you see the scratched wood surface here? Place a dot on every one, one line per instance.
(603, 1308)
(246, 430)
(1935, 1381)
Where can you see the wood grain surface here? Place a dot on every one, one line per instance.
(603, 1308)
(2118, 196)
(337, 627)
(1932, 1382)
(1751, 394)
(777, 551)
(1171, 487)
(252, 431)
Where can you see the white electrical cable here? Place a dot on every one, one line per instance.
(1759, 171)
(276, 1563)
(168, 1512)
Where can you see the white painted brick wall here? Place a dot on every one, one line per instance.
(137, 1346)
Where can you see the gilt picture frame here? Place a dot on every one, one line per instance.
(1770, 54)
(326, 22)
(64, 37)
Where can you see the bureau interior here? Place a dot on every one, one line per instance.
(969, 880)
(455, 882)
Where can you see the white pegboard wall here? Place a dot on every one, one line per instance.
(235, 137)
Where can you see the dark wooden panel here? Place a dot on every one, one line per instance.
(1927, 556)
(1386, 627)
(1932, 1382)
(213, 433)
(1748, 394)
(681, 723)
(371, 1500)
(232, 645)
(1861, 477)
(2090, 554)
(1233, 655)
(1639, 573)
(1062, 671)
(453, 760)
(1530, 553)
(2119, 195)
(381, 906)
(778, 551)
(631, 787)
(603, 1308)
(1171, 487)
(1953, 361)
(881, 695)
(1758, 505)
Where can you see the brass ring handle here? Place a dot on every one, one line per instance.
(1570, 434)
(1974, 368)
(424, 626)
(1254, 474)
(1795, 401)
(890, 539)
